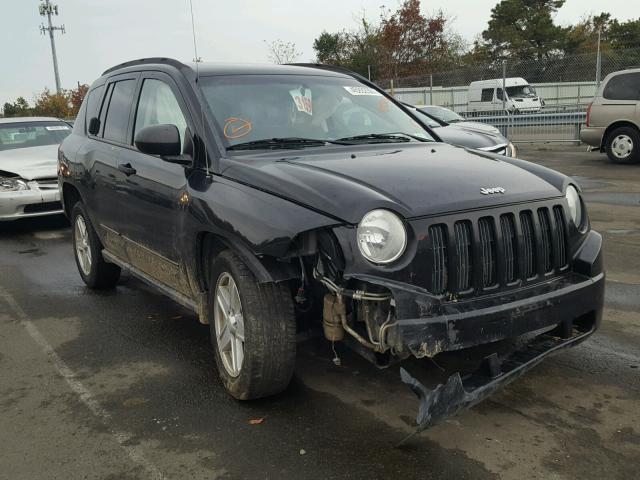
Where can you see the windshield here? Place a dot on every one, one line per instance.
(32, 134)
(521, 91)
(252, 108)
(443, 114)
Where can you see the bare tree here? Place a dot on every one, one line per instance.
(282, 52)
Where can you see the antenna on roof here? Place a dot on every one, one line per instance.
(197, 61)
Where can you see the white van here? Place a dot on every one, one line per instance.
(520, 97)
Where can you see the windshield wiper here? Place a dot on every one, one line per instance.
(283, 142)
(384, 137)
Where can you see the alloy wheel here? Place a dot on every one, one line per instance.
(229, 324)
(83, 249)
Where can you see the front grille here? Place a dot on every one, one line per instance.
(42, 207)
(47, 183)
(507, 249)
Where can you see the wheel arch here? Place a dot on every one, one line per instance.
(70, 196)
(265, 268)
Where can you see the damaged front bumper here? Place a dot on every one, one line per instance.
(553, 314)
(459, 393)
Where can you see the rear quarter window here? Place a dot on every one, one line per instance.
(93, 97)
(625, 86)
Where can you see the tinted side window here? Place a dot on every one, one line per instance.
(158, 106)
(625, 86)
(105, 103)
(499, 95)
(115, 125)
(93, 97)
(487, 95)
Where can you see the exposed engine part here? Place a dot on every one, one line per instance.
(332, 314)
(334, 323)
(354, 294)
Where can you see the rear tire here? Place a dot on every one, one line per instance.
(623, 145)
(87, 248)
(255, 342)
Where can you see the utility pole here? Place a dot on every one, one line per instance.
(47, 10)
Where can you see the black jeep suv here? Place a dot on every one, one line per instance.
(256, 195)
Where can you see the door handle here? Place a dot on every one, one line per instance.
(127, 169)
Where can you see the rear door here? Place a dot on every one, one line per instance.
(155, 191)
(101, 155)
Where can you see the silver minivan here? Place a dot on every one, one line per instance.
(613, 118)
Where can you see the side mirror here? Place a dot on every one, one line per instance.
(94, 126)
(163, 140)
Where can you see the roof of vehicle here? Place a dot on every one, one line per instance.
(29, 119)
(510, 81)
(214, 68)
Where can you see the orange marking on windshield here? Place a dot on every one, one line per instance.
(236, 127)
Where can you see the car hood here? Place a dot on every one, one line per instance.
(457, 134)
(478, 127)
(412, 179)
(30, 163)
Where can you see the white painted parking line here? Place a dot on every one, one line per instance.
(86, 397)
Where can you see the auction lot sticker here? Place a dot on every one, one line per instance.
(362, 91)
(53, 128)
(302, 99)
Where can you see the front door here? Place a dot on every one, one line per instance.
(155, 190)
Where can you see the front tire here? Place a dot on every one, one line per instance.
(253, 330)
(95, 272)
(623, 145)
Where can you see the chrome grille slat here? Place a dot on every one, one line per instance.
(561, 237)
(547, 240)
(507, 225)
(529, 251)
(487, 242)
(462, 232)
(438, 236)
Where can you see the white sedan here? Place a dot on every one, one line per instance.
(28, 166)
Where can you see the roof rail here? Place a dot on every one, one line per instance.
(143, 61)
(331, 68)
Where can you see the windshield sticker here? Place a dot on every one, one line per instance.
(54, 128)
(302, 99)
(362, 91)
(236, 128)
(383, 105)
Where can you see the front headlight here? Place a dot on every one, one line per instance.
(12, 185)
(575, 205)
(382, 237)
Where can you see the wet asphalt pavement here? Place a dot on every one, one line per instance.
(122, 384)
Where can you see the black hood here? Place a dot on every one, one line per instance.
(414, 180)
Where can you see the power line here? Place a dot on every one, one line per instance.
(46, 9)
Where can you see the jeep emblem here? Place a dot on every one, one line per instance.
(489, 191)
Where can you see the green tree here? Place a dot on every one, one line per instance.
(524, 29)
(19, 108)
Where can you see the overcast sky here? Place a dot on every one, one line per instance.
(103, 33)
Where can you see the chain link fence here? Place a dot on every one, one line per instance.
(552, 111)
